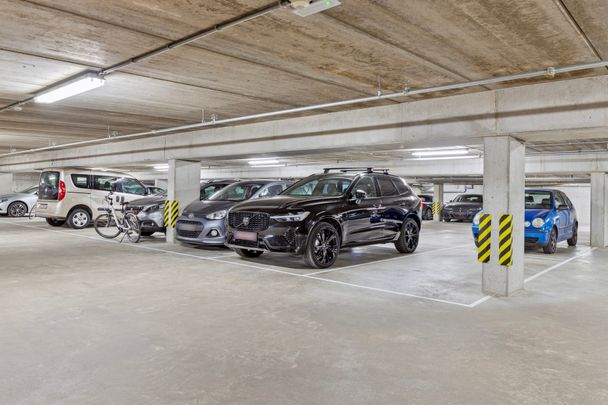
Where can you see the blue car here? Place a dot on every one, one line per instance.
(550, 218)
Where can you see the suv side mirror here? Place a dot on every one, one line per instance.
(358, 196)
(563, 207)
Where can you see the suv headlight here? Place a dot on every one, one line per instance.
(291, 217)
(538, 223)
(476, 219)
(217, 215)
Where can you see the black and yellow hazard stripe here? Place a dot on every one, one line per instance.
(170, 213)
(505, 243)
(174, 212)
(484, 238)
(436, 208)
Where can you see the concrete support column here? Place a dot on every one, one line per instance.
(503, 194)
(437, 198)
(183, 185)
(599, 209)
(6, 183)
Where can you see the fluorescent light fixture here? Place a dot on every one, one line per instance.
(452, 152)
(269, 165)
(448, 157)
(79, 85)
(315, 6)
(264, 161)
(162, 167)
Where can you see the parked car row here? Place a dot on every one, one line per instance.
(314, 217)
(20, 203)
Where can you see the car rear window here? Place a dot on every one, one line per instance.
(400, 184)
(80, 180)
(48, 188)
(387, 188)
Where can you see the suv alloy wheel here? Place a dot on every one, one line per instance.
(323, 246)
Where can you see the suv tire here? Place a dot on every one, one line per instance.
(323, 246)
(408, 237)
(79, 218)
(250, 254)
(55, 222)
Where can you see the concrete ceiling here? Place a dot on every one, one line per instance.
(274, 62)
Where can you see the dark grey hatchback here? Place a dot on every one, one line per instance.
(325, 212)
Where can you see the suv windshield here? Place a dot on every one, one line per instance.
(236, 192)
(472, 198)
(538, 200)
(320, 186)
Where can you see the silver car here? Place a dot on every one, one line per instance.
(20, 203)
(203, 222)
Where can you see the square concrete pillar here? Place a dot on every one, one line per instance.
(183, 185)
(503, 194)
(437, 198)
(6, 183)
(599, 209)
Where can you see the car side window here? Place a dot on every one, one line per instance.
(209, 190)
(387, 188)
(104, 183)
(559, 200)
(80, 180)
(271, 191)
(570, 205)
(368, 185)
(132, 186)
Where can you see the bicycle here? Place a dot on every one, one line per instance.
(110, 225)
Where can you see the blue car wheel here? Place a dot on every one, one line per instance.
(551, 246)
(574, 239)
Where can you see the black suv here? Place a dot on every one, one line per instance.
(322, 213)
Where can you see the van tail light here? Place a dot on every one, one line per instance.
(61, 195)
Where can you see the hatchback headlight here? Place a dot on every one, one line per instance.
(476, 219)
(291, 217)
(538, 223)
(217, 215)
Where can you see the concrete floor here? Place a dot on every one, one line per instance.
(87, 321)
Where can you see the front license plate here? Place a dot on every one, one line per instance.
(250, 236)
(189, 227)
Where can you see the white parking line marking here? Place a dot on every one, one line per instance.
(559, 265)
(385, 260)
(218, 259)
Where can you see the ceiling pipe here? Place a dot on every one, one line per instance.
(549, 72)
(280, 4)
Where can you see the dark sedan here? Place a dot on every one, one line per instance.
(462, 208)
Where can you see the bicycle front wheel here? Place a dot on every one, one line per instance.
(105, 226)
(132, 228)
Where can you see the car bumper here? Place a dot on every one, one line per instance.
(201, 231)
(276, 238)
(4, 207)
(151, 221)
(532, 238)
(463, 216)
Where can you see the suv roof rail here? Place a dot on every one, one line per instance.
(355, 169)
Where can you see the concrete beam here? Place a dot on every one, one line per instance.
(549, 111)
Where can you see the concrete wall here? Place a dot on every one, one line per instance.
(11, 182)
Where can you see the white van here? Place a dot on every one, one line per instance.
(74, 195)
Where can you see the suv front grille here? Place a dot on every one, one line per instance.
(249, 221)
